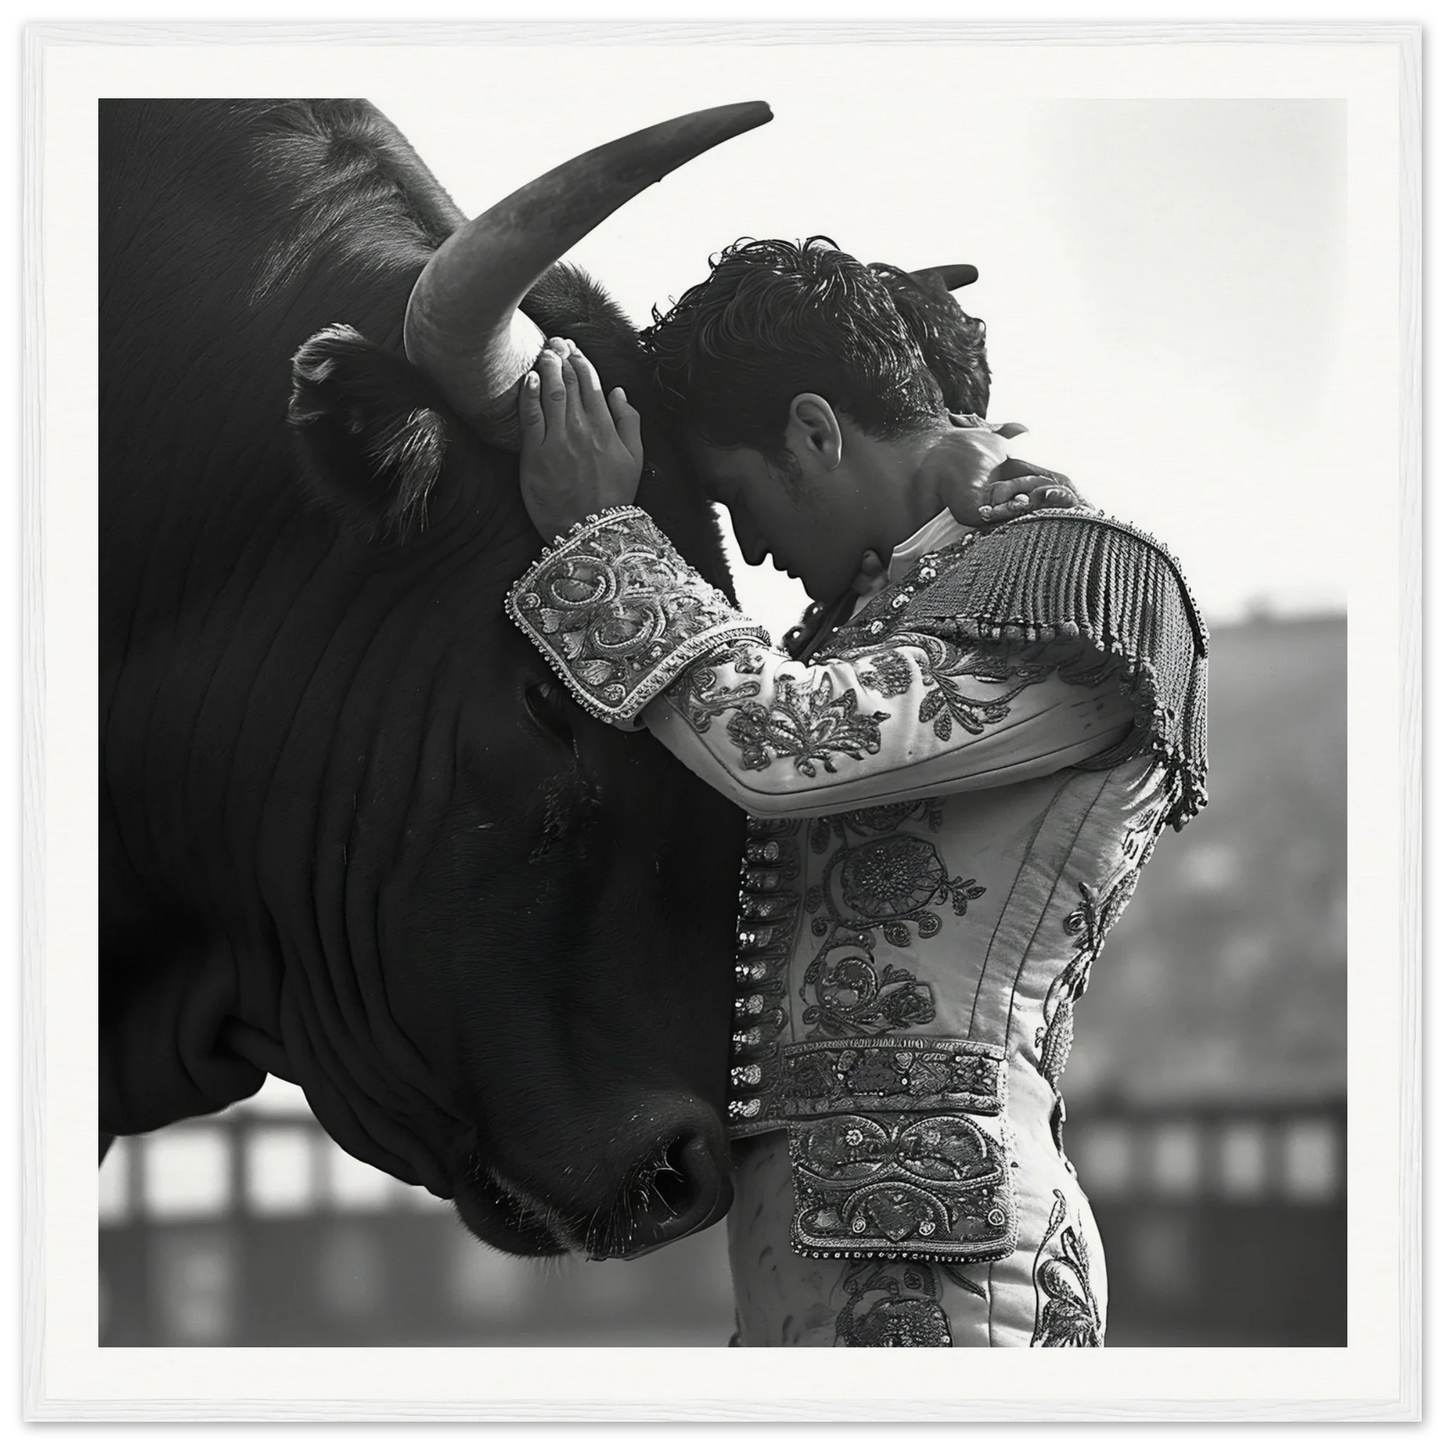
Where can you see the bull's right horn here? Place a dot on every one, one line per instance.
(462, 323)
(954, 278)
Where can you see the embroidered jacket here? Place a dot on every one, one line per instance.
(951, 803)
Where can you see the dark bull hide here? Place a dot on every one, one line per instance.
(351, 833)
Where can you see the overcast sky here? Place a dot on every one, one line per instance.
(1161, 278)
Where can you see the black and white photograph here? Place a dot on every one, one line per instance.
(719, 694)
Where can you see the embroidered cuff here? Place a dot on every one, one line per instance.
(619, 614)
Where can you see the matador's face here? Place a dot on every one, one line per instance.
(816, 534)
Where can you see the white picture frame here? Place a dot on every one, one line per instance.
(1377, 1385)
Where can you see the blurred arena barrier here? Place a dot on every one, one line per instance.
(1222, 1225)
(253, 1228)
(246, 1229)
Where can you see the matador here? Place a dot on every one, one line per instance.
(953, 780)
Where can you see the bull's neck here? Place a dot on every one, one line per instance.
(268, 697)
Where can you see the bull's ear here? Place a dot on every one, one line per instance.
(372, 431)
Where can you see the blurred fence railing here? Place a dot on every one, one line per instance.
(1221, 1226)
(247, 1229)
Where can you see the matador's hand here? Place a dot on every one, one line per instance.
(974, 476)
(581, 450)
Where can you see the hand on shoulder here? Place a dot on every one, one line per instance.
(977, 479)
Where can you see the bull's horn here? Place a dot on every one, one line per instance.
(953, 277)
(462, 323)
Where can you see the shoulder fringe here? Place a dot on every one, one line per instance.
(1055, 574)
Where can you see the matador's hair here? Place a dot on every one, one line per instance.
(775, 318)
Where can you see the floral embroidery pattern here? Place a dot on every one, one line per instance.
(1141, 836)
(946, 703)
(699, 694)
(1055, 1037)
(889, 1305)
(1090, 923)
(948, 663)
(618, 613)
(942, 667)
(808, 724)
(893, 1318)
(893, 880)
(878, 1166)
(1067, 1314)
(888, 884)
(889, 673)
(900, 1184)
(853, 995)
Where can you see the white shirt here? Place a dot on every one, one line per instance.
(943, 530)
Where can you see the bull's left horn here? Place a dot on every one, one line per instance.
(462, 322)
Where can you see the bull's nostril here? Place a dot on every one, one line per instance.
(684, 1189)
(674, 1184)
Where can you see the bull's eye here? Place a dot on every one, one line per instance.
(546, 704)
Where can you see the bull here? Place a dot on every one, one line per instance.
(351, 833)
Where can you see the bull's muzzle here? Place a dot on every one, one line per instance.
(675, 1181)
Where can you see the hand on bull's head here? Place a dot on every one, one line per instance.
(581, 448)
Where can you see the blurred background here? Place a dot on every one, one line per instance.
(1163, 281)
(1206, 1097)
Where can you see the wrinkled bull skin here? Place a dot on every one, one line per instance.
(350, 833)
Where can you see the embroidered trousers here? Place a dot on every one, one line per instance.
(1051, 1291)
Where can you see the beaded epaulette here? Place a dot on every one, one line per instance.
(1060, 574)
